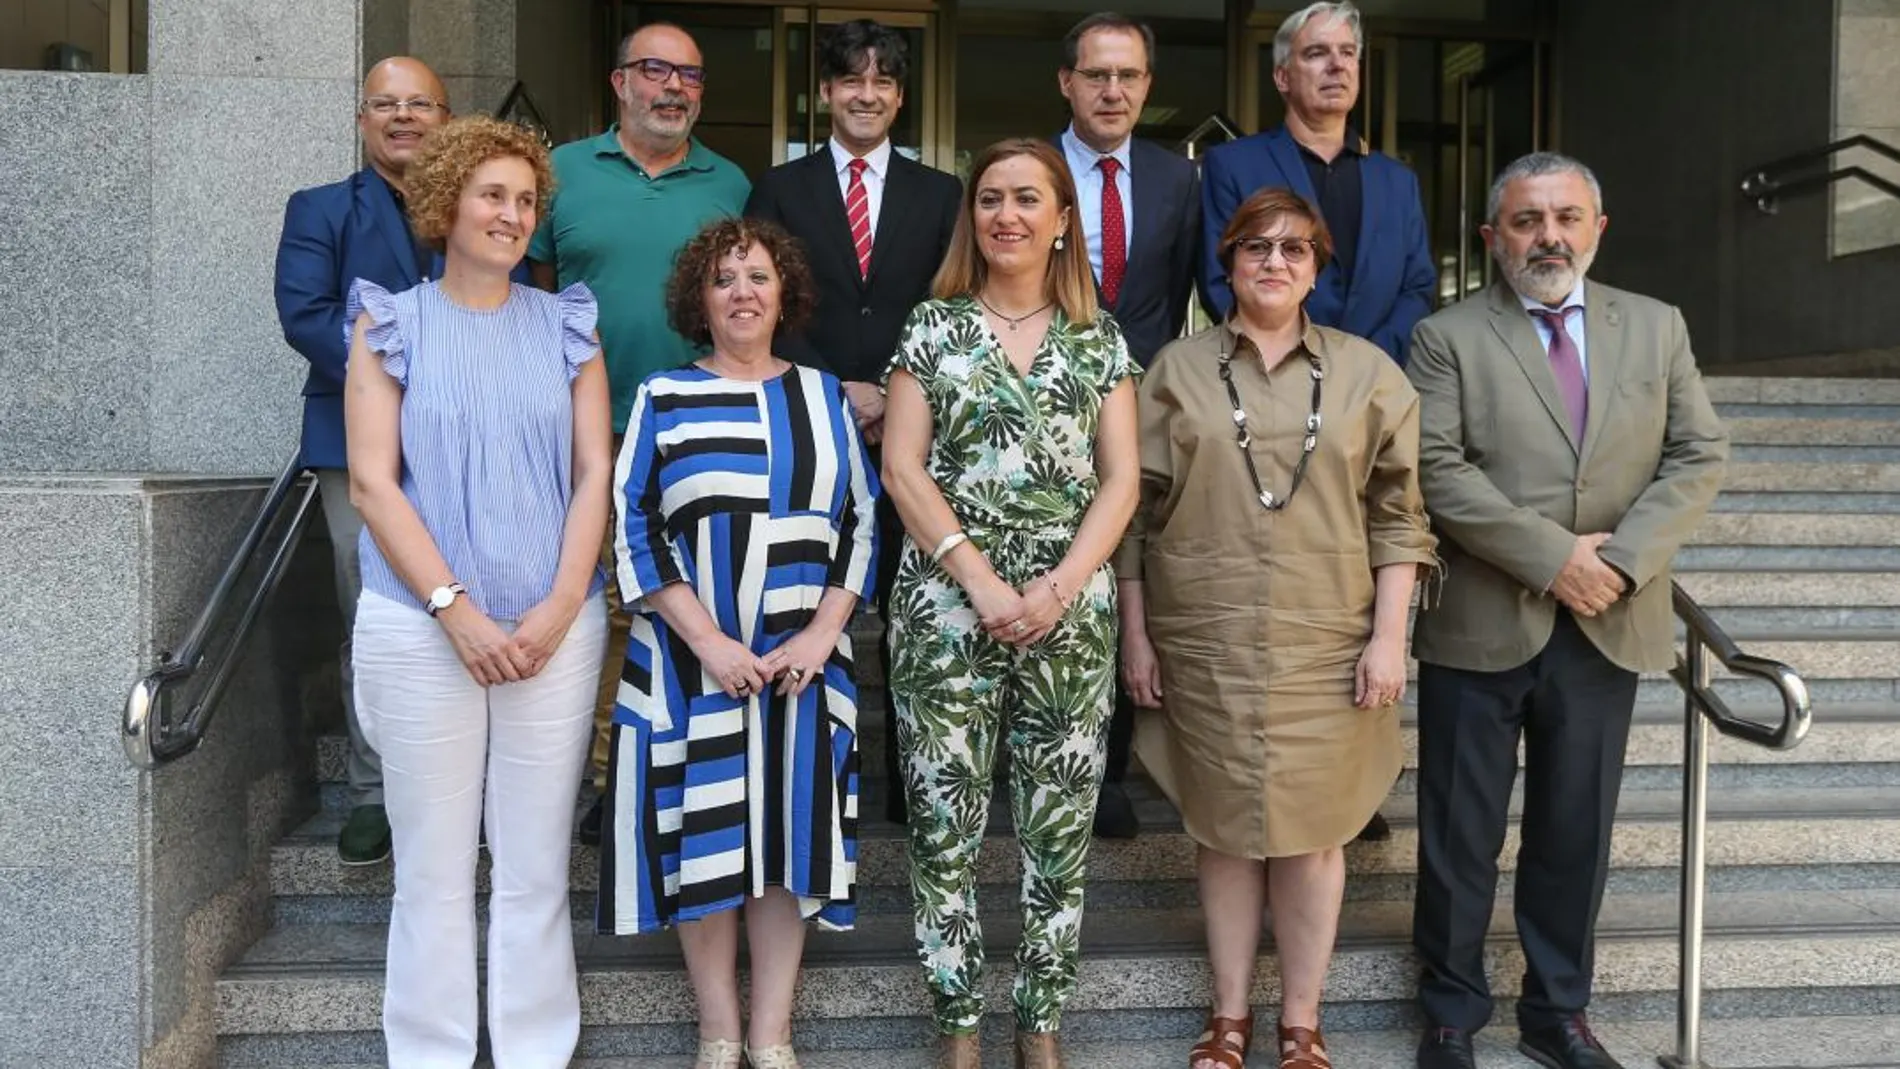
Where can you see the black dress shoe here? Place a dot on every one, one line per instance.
(1566, 1045)
(1115, 814)
(589, 833)
(1446, 1048)
(1375, 831)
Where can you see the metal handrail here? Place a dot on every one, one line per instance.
(519, 100)
(1765, 184)
(1705, 709)
(1215, 123)
(152, 736)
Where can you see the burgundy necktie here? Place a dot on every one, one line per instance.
(1567, 364)
(857, 211)
(1114, 233)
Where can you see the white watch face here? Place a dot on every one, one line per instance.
(442, 597)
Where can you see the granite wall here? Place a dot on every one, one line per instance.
(123, 894)
(1867, 101)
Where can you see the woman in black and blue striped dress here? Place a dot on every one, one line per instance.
(745, 540)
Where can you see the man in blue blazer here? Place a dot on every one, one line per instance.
(1141, 217)
(333, 234)
(1381, 280)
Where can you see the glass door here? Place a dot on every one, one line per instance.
(801, 121)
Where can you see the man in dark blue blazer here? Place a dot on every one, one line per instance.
(333, 234)
(1381, 280)
(1141, 217)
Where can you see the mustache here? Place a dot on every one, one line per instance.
(1560, 249)
(670, 99)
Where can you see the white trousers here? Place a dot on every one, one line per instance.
(445, 740)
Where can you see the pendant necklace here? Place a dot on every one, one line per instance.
(1245, 440)
(1013, 322)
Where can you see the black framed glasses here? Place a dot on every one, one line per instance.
(691, 75)
(1260, 250)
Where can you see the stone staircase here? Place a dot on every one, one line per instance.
(1800, 561)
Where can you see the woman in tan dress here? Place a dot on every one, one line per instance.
(1264, 588)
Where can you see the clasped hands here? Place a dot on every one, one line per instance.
(1018, 617)
(793, 664)
(493, 656)
(1587, 585)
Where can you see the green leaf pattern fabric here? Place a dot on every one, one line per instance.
(1014, 457)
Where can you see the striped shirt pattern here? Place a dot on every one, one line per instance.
(487, 433)
(759, 496)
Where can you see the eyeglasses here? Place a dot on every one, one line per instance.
(390, 105)
(1260, 250)
(658, 70)
(1099, 77)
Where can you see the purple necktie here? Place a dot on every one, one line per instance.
(1567, 365)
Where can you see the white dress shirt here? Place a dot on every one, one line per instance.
(1573, 324)
(878, 166)
(1085, 169)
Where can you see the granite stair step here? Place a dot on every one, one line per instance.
(1755, 827)
(1758, 469)
(328, 978)
(1805, 392)
(1840, 1042)
(1841, 501)
(1718, 591)
(1812, 425)
(1797, 529)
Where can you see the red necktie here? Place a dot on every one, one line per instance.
(1567, 364)
(857, 211)
(1114, 232)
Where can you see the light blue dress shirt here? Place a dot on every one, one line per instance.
(1573, 325)
(1084, 168)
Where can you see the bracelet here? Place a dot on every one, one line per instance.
(950, 542)
(1056, 589)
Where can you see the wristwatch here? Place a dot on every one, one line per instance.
(444, 596)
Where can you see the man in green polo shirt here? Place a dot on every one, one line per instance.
(627, 200)
(624, 204)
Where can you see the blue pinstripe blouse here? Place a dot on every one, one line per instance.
(487, 433)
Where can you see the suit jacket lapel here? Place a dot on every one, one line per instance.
(822, 180)
(1145, 191)
(379, 203)
(897, 189)
(1370, 192)
(1603, 340)
(1514, 328)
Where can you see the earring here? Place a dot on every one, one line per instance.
(1058, 244)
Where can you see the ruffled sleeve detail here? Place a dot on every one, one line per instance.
(384, 335)
(579, 313)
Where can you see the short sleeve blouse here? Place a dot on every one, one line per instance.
(487, 432)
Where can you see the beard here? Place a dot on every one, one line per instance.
(1546, 282)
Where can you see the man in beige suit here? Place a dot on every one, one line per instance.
(1567, 449)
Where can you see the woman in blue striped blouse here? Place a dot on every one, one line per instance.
(478, 436)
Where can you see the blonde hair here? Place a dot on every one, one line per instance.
(1069, 281)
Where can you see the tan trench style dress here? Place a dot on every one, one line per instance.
(1259, 618)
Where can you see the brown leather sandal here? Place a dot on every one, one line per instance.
(960, 1051)
(1214, 1046)
(1307, 1049)
(1038, 1050)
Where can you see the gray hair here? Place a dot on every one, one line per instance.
(1536, 165)
(1331, 12)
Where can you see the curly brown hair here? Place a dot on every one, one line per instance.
(449, 154)
(699, 258)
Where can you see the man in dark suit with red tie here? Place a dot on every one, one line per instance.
(875, 225)
(1141, 214)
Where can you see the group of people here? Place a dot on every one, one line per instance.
(857, 380)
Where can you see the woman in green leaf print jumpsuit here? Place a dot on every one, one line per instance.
(1010, 452)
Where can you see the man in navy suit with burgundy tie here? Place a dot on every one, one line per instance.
(875, 225)
(1141, 216)
(1380, 281)
(332, 234)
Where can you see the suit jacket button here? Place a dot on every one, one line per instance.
(865, 312)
